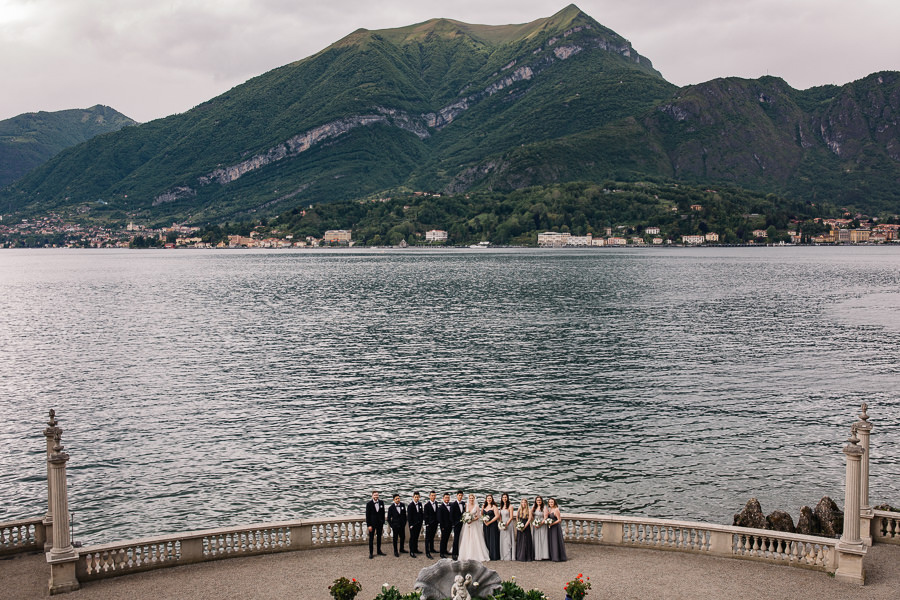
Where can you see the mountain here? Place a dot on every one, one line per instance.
(449, 106)
(835, 144)
(31, 139)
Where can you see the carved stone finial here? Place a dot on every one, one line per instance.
(57, 438)
(853, 439)
(864, 416)
(52, 426)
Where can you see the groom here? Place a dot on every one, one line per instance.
(456, 512)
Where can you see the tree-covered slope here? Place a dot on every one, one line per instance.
(30, 139)
(835, 144)
(377, 109)
(449, 106)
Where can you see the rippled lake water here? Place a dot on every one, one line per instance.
(206, 388)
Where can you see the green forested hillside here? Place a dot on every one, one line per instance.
(453, 107)
(30, 139)
(515, 218)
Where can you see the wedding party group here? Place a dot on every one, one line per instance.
(480, 531)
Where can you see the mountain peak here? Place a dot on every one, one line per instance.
(492, 35)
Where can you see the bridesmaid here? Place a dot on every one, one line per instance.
(541, 539)
(507, 517)
(557, 546)
(491, 515)
(524, 548)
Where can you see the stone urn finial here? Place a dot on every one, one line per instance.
(864, 415)
(52, 422)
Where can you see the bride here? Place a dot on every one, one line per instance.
(472, 546)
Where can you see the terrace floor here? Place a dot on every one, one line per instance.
(615, 572)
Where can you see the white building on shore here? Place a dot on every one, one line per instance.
(436, 236)
(553, 239)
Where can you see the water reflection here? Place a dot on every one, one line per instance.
(199, 389)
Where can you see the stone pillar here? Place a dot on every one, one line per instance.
(62, 556)
(50, 433)
(863, 429)
(850, 549)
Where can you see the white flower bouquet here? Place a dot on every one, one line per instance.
(486, 519)
(467, 517)
(520, 526)
(537, 522)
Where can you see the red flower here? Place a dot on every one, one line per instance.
(580, 575)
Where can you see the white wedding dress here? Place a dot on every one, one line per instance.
(472, 545)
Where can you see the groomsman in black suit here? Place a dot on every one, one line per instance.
(414, 516)
(431, 523)
(445, 519)
(375, 522)
(457, 510)
(396, 517)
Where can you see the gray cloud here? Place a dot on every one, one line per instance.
(153, 59)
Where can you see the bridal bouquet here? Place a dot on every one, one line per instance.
(467, 517)
(537, 522)
(550, 520)
(501, 525)
(520, 526)
(486, 519)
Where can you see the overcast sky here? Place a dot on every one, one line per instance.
(152, 58)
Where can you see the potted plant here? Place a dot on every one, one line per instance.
(344, 589)
(578, 588)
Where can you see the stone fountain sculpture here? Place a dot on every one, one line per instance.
(457, 579)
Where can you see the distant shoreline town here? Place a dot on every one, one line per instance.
(54, 232)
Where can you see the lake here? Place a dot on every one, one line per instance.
(200, 389)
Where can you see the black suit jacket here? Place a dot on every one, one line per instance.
(445, 516)
(430, 515)
(456, 512)
(414, 514)
(396, 516)
(375, 514)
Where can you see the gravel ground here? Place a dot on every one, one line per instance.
(615, 572)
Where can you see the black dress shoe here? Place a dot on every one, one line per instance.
(397, 554)
(371, 556)
(428, 555)
(443, 556)
(380, 553)
(411, 555)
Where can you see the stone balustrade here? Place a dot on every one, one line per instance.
(886, 527)
(27, 535)
(791, 549)
(120, 558)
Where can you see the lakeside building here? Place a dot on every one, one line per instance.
(760, 233)
(598, 242)
(657, 241)
(692, 240)
(843, 236)
(652, 231)
(859, 236)
(579, 240)
(616, 241)
(337, 236)
(552, 239)
(712, 237)
(436, 236)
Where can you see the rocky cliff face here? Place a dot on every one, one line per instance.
(762, 132)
